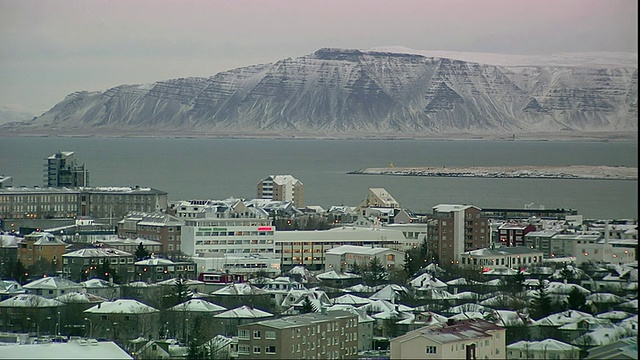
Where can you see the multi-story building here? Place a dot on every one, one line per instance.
(329, 335)
(540, 240)
(308, 248)
(85, 263)
(563, 245)
(454, 229)
(468, 339)
(62, 170)
(343, 258)
(41, 247)
(159, 269)
(156, 226)
(214, 237)
(97, 202)
(282, 188)
(515, 257)
(130, 245)
(513, 234)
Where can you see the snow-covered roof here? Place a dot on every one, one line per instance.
(544, 345)
(614, 315)
(389, 292)
(243, 312)
(30, 301)
(603, 335)
(562, 288)
(198, 305)
(81, 349)
(466, 295)
(469, 307)
(599, 298)
(468, 315)
(350, 300)
(172, 282)
(97, 253)
(364, 250)
(333, 275)
(154, 261)
(121, 306)
(426, 280)
(239, 289)
(50, 283)
(362, 288)
(80, 298)
(462, 281)
(562, 318)
(96, 283)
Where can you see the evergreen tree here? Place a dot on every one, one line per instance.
(141, 252)
(307, 306)
(542, 304)
(375, 273)
(577, 300)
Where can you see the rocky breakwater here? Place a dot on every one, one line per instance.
(535, 172)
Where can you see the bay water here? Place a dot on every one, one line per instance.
(204, 168)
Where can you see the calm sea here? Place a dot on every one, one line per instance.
(189, 168)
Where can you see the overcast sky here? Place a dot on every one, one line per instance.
(49, 49)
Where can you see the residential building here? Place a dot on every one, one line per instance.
(545, 349)
(540, 240)
(238, 264)
(344, 258)
(97, 202)
(563, 245)
(63, 170)
(52, 287)
(130, 245)
(454, 229)
(282, 188)
(502, 257)
(308, 248)
(466, 339)
(29, 313)
(379, 197)
(329, 335)
(155, 226)
(123, 319)
(513, 234)
(158, 269)
(8, 254)
(73, 349)
(85, 264)
(41, 248)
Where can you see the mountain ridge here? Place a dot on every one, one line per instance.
(338, 93)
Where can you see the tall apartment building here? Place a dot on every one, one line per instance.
(513, 234)
(454, 229)
(62, 170)
(330, 335)
(282, 188)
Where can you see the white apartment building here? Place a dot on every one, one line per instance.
(282, 188)
(215, 237)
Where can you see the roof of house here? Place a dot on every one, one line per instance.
(97, 253)
(243, 312)
(562, 318)
(304, 319)
(80, 298)
(544, 345)
(70, 350)
(30, 301)
(333, 275)
(353, 249)
(121, 306)
(198, 305)
(464, 330)
(626, 348)
(239, 289)
(51, 282)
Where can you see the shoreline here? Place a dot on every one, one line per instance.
(574, 172)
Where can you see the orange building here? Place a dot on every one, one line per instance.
(41, 248)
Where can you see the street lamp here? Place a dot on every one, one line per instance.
(90, 327)
(58, 325)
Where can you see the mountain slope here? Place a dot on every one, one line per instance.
(333, 92)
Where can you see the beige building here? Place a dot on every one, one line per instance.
(379, 197)
(342, 258)
(41, 247)
(332, 335)
(282, 188)
(468, 339)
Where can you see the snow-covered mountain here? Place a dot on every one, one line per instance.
(374, 93)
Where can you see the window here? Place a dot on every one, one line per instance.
(430, 349)
(269, 334)
(243, 349)
(256, 349)
(271, 349)
(243, 335)
(256, 334)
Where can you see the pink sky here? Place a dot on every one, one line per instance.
(52, 48)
